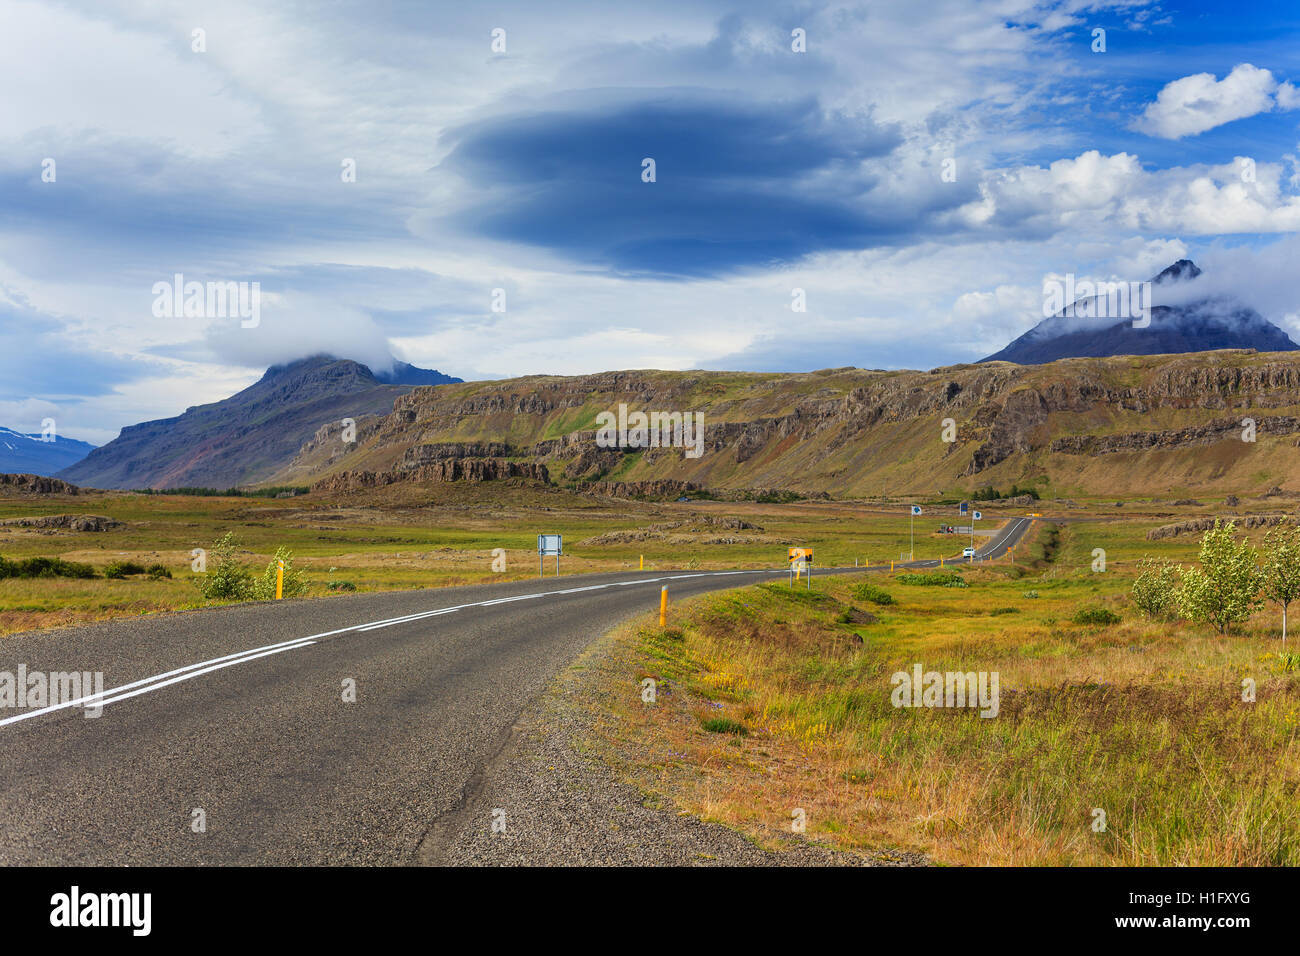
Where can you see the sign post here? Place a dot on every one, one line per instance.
(549, 544)
(911, 550)
(800, 559)
(975, 516)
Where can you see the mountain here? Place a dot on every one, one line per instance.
(245, 438)
(404, 374)
(32, 455)
(1200, 325)
(1080, 426)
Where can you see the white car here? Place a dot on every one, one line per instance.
(968, 552)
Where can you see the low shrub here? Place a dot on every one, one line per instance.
(943, 579)
(866, 591)
(1095, 615)
(724, 725)
(293, 583)
(226, 577)
(44, 568)
(120, 569)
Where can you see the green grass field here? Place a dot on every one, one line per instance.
(437, 541)
(781, 698)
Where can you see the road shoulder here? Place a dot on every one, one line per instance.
(560, 792)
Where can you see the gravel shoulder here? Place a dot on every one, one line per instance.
(556, 799)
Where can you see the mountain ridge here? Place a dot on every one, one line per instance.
(22, 452)
(1101, 426)
(242, 439)
(1207, 324)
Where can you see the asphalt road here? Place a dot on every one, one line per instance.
(239, 713)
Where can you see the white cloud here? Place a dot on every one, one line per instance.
(296, 325)
(26, 415)
(77, 74)
(1093, 193)
(1200, 102)
(263, 119)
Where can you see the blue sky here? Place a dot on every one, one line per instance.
(521, 170)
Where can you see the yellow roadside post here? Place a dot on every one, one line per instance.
(279, 580)
(891, 564)
(663, 606)
(643, 562)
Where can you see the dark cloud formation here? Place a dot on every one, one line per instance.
(737, 183)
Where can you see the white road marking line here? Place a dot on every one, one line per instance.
(151, 681)
(206, 670)
(146, 684)
(406, 620)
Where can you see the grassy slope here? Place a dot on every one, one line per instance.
(884, 457)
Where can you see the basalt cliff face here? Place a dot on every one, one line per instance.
(1106, 426)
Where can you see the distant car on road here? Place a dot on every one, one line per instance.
(968, 552)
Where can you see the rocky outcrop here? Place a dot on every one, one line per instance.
(592, 460)
(699, 530)
(1017, 501)
(92, 523)
(420, 456)
(450, 469)
(1198, 525)
(35, 485)
(653, 490)
(1014, 429)
(1216, 431)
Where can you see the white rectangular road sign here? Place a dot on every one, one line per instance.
(548, 544)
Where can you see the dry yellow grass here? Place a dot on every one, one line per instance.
(1143, 721)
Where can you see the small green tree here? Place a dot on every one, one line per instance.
(294, 582)
(1223, 590)
(227, 578)
(1281, 570)
(1154, 588)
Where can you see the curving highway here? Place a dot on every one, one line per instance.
(225, 736)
